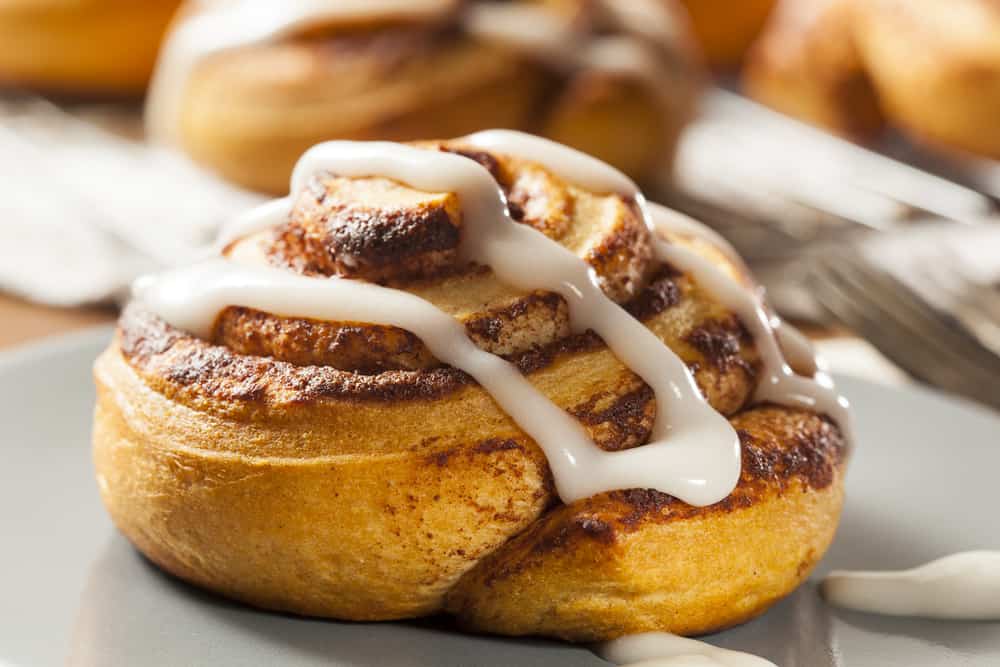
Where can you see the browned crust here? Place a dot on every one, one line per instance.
(184, 367)
(537, 320)
(780, 447)
(234, 372)
(363, 348)
(638, 560)
(179, 360)
(382, 231)
(720, 343)
(332, 233)
(528, 327)
(255, 360)
(788, 452)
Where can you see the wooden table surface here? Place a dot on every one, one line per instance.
(23, 322)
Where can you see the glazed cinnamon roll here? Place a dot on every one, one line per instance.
(246, 92)
(81, 47)
(480, 376)
(931, 69)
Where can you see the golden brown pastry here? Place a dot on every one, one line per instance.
(615, 78)
(936, 67)
(81, 47)
(807, 65)
(725, 29)
(929, 68)
(339, 469)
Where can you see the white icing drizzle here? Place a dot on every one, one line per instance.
(661, 649)
(798, 349)
(962, 586)
(217, 26)
(571, 165)
(693, 453)
(701, 462)
(778, 383)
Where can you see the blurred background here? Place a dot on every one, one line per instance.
(849, 149)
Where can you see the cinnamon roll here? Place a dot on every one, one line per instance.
(931, 69)
(480, 376)
(246, 92)
(81, 47)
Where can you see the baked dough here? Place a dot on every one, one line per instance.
(929, 68)
(81, 47)
(337, 469)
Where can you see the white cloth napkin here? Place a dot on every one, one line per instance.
(83, 210)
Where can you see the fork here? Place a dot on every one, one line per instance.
(975, 304)
(931, 344)
(773, 185)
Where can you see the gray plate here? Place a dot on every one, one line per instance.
(922, 484)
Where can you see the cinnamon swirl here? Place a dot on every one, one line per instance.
(246, 92)
(480, 376)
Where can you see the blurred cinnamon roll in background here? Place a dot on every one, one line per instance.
(725, 29)
(929, 68)
(81, 47)
(245, 87)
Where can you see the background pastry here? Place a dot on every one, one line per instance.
(725, 29)
(948, 53)
(245, 93)
(929, 68)
(807, 65)
(334, 466)
(81, 47)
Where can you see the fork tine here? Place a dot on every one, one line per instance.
(941, 331)
(976, 305)
(912, 357)
(846, 305)
(908, 332)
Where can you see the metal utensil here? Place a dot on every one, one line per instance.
(931, 344)
(774, 185)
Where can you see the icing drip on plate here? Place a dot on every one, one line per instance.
(693, 452)
(963, 586)
(660, 649)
